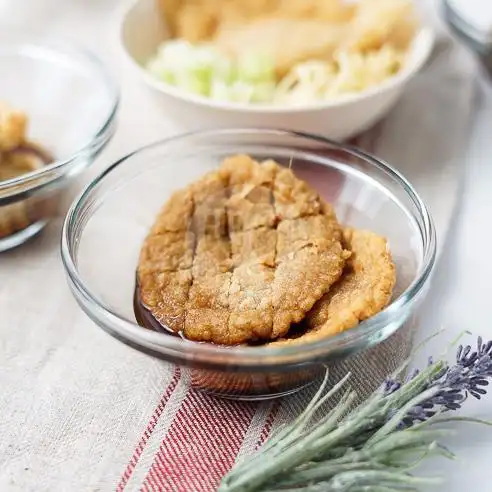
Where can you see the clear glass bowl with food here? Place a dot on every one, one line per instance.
(253, 257)
(57, 111)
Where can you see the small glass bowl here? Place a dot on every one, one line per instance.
(107, 224)
(71, 103)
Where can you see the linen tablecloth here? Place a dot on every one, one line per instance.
(81, 411)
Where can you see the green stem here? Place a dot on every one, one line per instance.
(304, 450)
(393, 423)
(325, 472)
(380, 478)
(290, 436)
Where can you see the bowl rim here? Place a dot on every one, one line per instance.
(175, 348)
(425, 35)
(46, 40)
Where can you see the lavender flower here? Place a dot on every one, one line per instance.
(468, 376)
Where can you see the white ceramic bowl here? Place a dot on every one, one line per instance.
(142, 29)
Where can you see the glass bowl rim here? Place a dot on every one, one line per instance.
(160, 344)
(98, 137)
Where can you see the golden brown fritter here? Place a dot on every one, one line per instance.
(364, 289)
(167, 252)
(176, 214)
(13, 127)
(248, 250)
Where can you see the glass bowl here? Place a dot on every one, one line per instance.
(71, 103)
(106, 225)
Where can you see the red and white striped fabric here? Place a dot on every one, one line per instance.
(192, 439)
(198, 443)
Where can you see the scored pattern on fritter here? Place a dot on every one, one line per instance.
(251, 214)
(207, 312)
(248, 249)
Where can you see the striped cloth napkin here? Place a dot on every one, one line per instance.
(192, 439)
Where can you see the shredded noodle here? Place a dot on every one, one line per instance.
(349, 72)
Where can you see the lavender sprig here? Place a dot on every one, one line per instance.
(373, 447)
(469, 376)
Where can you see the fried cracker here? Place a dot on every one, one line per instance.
(243, 287)
(212, 256)
(294, 198)
(210, 291)
(293, 235)
(250, 204)
(302, 276)
(364, 289)
(210, 325)
(287, 41)
(381, 22)
(210, 195)
(251, 301)
(250, 207)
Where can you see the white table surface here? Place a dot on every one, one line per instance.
(461, 300)
(461, 296)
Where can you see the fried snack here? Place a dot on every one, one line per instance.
(18, 156)
(364, 289)
(171, 11)
(329, 11)
(17, 162)
(240, 255)
(13, 218)
(13, 125)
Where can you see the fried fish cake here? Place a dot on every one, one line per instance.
(364, 289)
(259, 248)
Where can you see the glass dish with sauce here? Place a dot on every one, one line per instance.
(18, 156)
(70, 103)
(106, 226)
